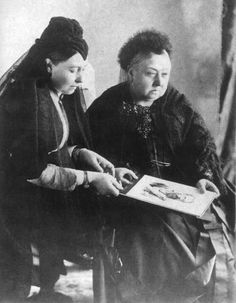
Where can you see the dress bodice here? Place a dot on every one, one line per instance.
(144, 145)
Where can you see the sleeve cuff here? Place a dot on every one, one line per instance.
(71, 149)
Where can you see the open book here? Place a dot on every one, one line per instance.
(172, 195)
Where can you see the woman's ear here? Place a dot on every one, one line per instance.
(130, 74)
(48, 65)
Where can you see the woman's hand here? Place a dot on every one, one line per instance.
(205, 184)
(104, 184)
(125, 175)
(95, 161)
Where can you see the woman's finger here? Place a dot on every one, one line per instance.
(125, 181)
(97, 166)
(132, 174)
(117, 184)
(107, 166)
(126, 171)
(213, 188)
(110, 169)
(201, 186)
(115, 192)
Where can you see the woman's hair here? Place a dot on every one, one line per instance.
(143, 43)
(34, 64)
(61, 39)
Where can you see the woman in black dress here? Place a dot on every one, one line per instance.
(146, 125)
(45, 159)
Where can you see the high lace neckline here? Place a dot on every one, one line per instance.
(142, 115)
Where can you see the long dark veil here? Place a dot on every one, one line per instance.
(20, 66)
(8, 76)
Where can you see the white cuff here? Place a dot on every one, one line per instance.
(70, 149)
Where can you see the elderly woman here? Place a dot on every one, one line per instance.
(146, 125)
(42, 151)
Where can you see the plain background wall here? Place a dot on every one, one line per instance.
(194, 27)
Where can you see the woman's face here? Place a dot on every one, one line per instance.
(67, 75)
(149, 78)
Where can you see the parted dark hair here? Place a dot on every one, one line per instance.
(143, 42)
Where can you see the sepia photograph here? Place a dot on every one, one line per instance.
(117, 151)
(171, 195)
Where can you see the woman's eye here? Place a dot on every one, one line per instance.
(164, 74)
(75, 70)
(151, 74)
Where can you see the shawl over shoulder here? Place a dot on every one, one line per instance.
(186, 134)
(30, 129)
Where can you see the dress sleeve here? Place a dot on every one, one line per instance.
(23, 155)
(200, 145)
(59, 178)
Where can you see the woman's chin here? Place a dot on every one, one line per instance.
(69, 91)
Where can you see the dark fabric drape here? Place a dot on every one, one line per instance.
(7, 77)
(227, 109)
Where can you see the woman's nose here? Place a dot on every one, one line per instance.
(157, 81)
(79, 78)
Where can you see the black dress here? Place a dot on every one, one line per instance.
(167, 256)
(30, 128)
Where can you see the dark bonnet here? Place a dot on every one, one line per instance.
(63, 33)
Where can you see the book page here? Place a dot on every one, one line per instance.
(172, 195)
